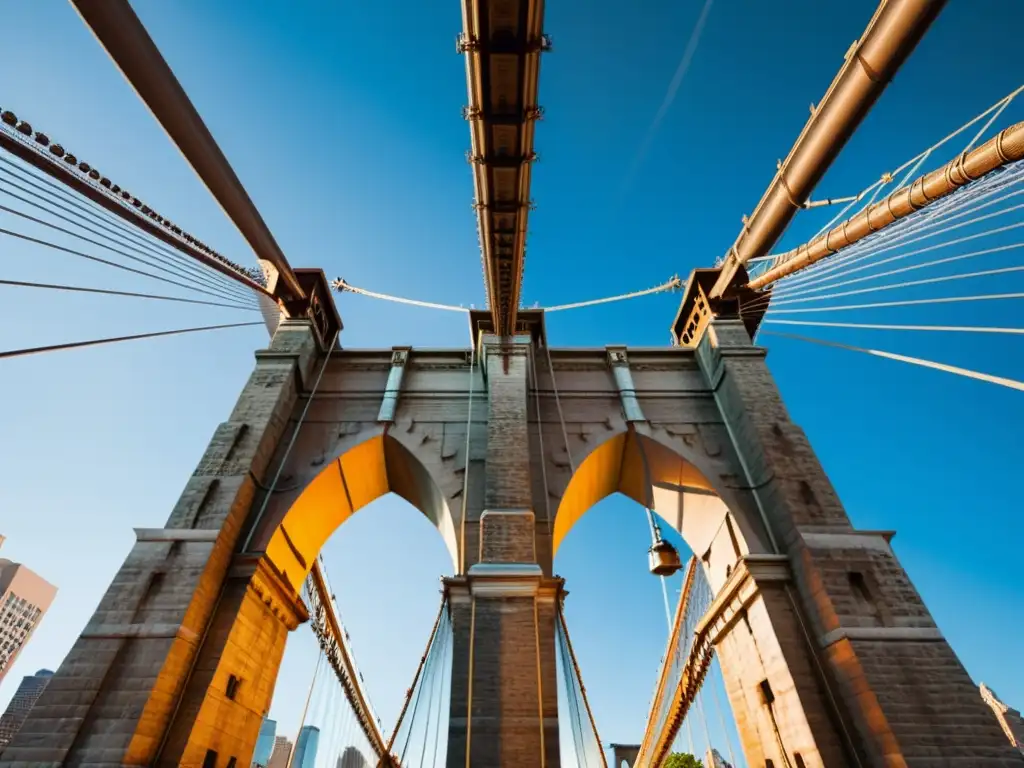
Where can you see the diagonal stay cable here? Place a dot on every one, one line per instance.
(906, 303)
(109, 292)
(896, 238)
(57, 191)
(893, 327)
(99, 260)
(966, 201)
(897, 235)
(107, 246)
(122, 230)
(976, 375)
(96, 342)
(911, 268)
(817, 284)
(904, 284)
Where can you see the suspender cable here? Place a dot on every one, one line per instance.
(721, 717)
(465, 469)
(415, 679)
(540, 438)
(561, 416)
(427, 664)
(1011, 383)
(445, 668)
(305, 709)
(96, 342)
(579, 678)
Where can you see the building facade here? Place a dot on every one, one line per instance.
(16, 712)
(282, 751)
(24, 598)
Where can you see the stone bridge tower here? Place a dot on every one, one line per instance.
(829, 655)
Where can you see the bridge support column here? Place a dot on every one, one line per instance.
(504, 696)
(132, 673)
(853, 669)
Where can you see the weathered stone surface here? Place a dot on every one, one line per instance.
(829, 655)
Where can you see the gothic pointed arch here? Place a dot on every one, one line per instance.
(655, 473)
(359, 476)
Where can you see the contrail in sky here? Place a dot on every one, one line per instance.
(670, 94)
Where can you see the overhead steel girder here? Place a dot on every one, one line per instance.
(893, 33)
(502, 41)
(131, 48)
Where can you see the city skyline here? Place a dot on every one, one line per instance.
(25, 597)
(21, 703)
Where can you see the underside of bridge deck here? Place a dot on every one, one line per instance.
(503, 41)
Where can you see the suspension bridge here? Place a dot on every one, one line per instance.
(827, 655)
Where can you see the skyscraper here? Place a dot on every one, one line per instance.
(282, 751)
(264, 744)
(24, 598)
(306, 747)
(26, 695)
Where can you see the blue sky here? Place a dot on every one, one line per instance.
(343, 121)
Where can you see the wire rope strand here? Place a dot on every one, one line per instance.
(108, 247)
(964, 202)
(905, 303)
(195, 271)
(105, 262)
(891, 327)
(1005, 382)
(59, 192)
(10, 353)
(110, 292)
(842, 263)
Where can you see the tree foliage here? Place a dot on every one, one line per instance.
(682, 760)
